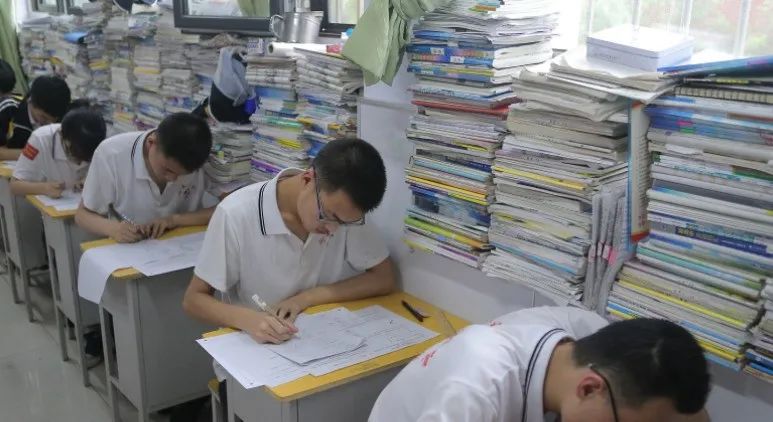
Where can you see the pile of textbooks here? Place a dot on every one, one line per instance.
(32, 44)
(119, 49)
(179, 85)
(229, 164)
(707, 262)
(464, 56)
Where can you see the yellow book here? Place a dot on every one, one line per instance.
(452, 191)
(542, 178)
(410, 221)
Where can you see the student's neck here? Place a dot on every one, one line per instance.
(287, 191)
(161, 183)
(558, 377)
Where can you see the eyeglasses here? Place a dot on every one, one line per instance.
(609, 388)
(331, 220)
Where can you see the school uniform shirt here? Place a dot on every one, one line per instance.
(485, 373)
(9, 106)
(21, 127)
(118, 176)
(43, 159)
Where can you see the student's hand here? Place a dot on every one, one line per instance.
(158, 227)
(78, 186)
(54, 189)
(266, 328)
(125, 232)
(289, 308)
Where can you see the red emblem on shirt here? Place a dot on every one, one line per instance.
(30, 152)
(425, 359)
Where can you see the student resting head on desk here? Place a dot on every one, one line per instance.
(542, 363)
(57, 156)
(141, 184)
(47, 102)
(297, 240)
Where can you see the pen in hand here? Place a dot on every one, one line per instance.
(265, 307)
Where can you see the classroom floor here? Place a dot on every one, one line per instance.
(35, 384)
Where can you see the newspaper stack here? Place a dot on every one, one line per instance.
(229, 164)
(32, 43)
(279, 140)
(120, 49)
(464, 59)
(550, 173)
(203, 57)
(328, 87)
(707, 264)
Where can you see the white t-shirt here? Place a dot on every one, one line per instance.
(119, 176)
(43, 159)
(485, 373)
(248, 249)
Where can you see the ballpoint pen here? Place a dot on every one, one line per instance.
(265, 307)
(419, 317)
(123, 218)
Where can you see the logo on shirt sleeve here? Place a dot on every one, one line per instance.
(30, 152)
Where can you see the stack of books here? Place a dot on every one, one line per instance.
(328, 88)
(229, 164)
(279, 140)
(147, 82)
(707, 259)
(72, 55)
(203, 56)
(119, 49)
(32, 43)
(760, 355)
(179, 85)
(94, 17)
(553, 164)
(464, 57)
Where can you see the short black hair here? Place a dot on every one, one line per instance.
(7, 77)
(185, 138)
(50, 94)
(84, 129)
(355, 167)
(648, 358)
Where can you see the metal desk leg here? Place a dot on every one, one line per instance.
(133, 295)
(111, 368)
(59, 317)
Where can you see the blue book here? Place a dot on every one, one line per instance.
(761, 368)
(724, 67)
(482, 52)
(759, 358)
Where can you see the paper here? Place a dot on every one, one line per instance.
(150, 257)
(320, 335)
(68, 201)
(9, 164)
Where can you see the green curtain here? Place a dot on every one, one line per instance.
(381, 34)
(9, 44)
(260, 8)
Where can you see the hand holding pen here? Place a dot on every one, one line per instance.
(272, 328)
(125, 230)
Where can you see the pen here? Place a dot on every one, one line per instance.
(122, 217)
(265, 307)
(413, 311)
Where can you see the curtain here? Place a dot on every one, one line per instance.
(9, 44)
(380, 36)
(254, 8)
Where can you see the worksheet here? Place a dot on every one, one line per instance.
(67, 202)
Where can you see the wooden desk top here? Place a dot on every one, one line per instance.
(50, 211)
(310, 384)
(131, 273)
(5, 171)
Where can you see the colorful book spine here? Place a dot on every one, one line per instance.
(717, 235)
(453, 59)
(450, 51)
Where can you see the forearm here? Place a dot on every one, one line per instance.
(93, 222)
(206, 308)
(11, 154)
(379, 280)
(196, 218)
(22, 187)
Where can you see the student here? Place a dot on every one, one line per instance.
(297, 240)
(57, 156)
(46, 103)
(535, 364)
(141, 184)
(9, 104)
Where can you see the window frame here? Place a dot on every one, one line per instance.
(256, 26)
(328, 28)
(36, 6)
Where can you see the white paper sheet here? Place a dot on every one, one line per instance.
(9, 163)
(150, 257)
(68, 201)
(320, 336)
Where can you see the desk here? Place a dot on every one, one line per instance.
(151, 355)
(63, 239)
(344, 395)
(22, 231)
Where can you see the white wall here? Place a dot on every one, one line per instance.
(384, 113)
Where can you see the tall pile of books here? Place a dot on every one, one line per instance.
(32, 43)
(760, 355)
(328, 87)
(229, 163)
(94, 17)
(71, 52)
(279, 140)
(464, 57)
(178, 82)
(547, 173)
(203, 57)
(120, 49)
(707, 260)
(147, 82)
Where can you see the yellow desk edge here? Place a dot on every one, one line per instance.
(131, 273)
(49, 211)
(6, 171)
(310, 384)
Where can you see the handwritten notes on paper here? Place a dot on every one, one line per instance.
(67, 202)
(254, 364)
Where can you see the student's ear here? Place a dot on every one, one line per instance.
(589, 385)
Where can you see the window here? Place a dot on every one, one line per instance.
(340, 15)
(48, 6)
(737, 27)
(244, 16)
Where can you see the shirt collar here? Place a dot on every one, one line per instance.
(59, 153)
(138, 157)
(270, 218)
(534, 383)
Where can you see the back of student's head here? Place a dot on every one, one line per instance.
(51, 95)
(7, 77)
(83, 128)
(355, 167)
(646, 359)
(185, 138)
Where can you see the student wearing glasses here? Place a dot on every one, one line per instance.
(553, 363)
(298, 240)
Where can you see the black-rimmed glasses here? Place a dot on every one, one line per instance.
(321, 213)
(609, 388)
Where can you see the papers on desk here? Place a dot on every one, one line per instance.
(254, 364)
(150, 257)
(9, 164)
(67, 202)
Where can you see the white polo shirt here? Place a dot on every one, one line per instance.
(248, 249)
(485, 373)
(43, 159)
(119, 176)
